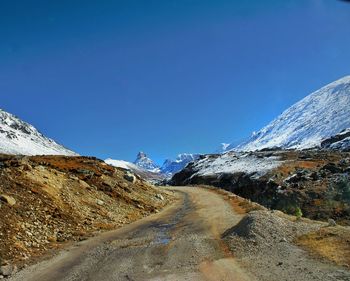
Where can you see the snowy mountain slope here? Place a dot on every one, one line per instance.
(171, 167)
(234, 162)
(19, 137)
(146, 163)
(320, 115)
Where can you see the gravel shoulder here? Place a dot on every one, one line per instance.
(265, 244)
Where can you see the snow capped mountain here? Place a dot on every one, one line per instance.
(171, 167)
(145, 166)
(320, 115)
(19, 137)
(146, 163)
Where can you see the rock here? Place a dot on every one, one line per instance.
(160, 197)
(140, 207)
(283, 240)
(331, 222)
(8, 270)
(130, 177)
(83, 184)
(85, 172)
(8, 199)
(331, 167)
(100, 202)
(314, 176)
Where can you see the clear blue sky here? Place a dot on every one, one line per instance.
(110, 78)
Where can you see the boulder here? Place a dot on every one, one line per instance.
(130, 177)
(331, 167)
(7, 270)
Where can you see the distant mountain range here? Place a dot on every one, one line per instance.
(19, 137)
(320, 120)
(145, 164)
(171, 167)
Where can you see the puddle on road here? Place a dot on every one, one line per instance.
(163, 237)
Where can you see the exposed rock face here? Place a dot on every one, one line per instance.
(340, 141)
(316, 183)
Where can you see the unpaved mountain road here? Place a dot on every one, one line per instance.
(181, 243)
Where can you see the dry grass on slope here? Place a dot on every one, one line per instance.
(331, 243)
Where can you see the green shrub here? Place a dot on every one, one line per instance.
(298, 212)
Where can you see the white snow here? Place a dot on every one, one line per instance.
(171, 167)
(233, 162)
(19, 137)
(122, 164)
(320, 115)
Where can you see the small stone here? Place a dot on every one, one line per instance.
(8, 199)
(160, 197)
(100, 202)
(331, 222)
(283, 240)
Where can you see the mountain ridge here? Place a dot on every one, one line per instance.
(19, 137)
(305, 124)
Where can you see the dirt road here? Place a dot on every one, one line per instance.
(181, 243)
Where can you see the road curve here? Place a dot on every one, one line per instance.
(180, 243)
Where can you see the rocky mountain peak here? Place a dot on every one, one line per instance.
(144, 162)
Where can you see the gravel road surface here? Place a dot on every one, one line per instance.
(180, 243)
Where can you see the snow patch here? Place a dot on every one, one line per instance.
(232, 162)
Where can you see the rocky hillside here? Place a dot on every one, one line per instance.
(315, 184)
(19, 137)
(46, 201)
(318, 116)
